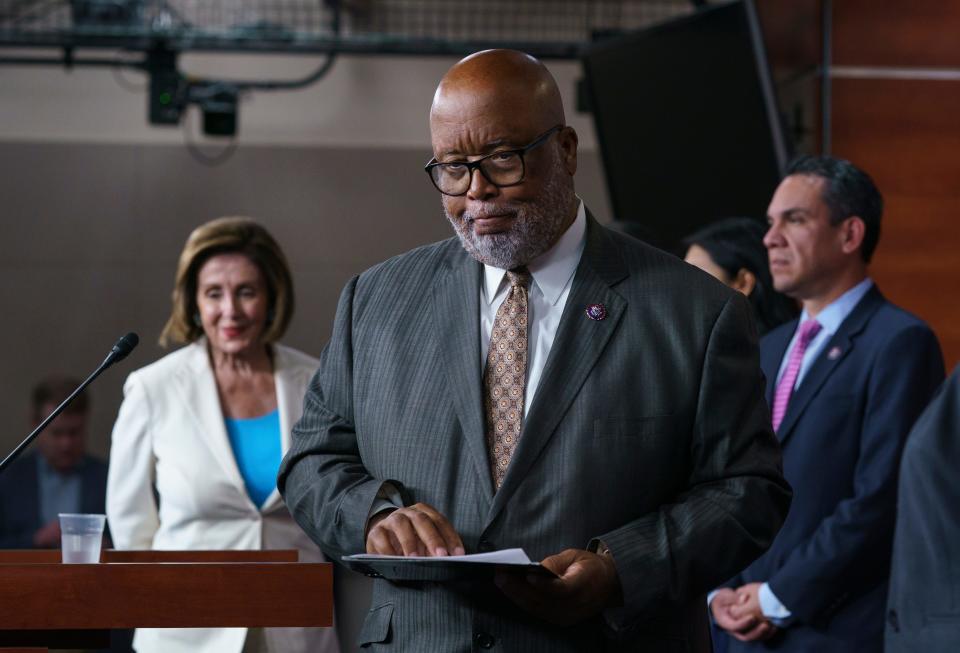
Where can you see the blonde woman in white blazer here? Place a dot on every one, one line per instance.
(203, 428)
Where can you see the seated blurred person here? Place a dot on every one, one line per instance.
(55, 476)
(204, 428)
(732, 251)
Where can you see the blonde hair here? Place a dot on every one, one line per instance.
(229, 235)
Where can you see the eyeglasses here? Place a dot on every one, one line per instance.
(502, 168)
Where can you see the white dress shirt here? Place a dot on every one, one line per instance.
(552, 274)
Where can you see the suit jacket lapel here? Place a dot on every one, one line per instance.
(829, 358)
(198, 392)
(458, 330)
(576, 348)
(771, 365)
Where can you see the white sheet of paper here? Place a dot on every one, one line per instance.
(503, 557)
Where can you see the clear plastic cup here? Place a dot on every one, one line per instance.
(80, 537)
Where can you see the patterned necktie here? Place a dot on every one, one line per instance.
(504, 378)
(808, 331)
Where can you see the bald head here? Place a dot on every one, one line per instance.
(505, 83)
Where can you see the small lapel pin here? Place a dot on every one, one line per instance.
(596, 311)
(834, 353)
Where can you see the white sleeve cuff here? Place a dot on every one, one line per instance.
(710, 598)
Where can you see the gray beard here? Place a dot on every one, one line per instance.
(537, 226)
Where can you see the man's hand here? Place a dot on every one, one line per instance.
(721, 608)
(587, 584)
(416, 530)
(747, 607)
(48, 536)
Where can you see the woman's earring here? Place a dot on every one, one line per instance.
(196, 319)
(271, 315)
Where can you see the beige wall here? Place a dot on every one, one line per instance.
(90, 235)
(97, 204)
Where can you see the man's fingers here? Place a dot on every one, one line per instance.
(417, 530)
(760, 631)
(728, 623)
(380, 541)
(740, 610)
(560, 562)
(570, 576)
(394, 535)
(404, 527)
(428, 533)
(452, 544)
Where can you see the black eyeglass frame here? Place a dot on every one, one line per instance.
(476, 165)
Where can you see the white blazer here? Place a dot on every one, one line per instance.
(171, 434)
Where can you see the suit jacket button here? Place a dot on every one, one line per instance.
(893, 620)
(484, 640)
(485, 546)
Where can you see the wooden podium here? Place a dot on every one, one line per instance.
(45, 604)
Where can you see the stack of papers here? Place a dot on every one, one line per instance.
(448, 568)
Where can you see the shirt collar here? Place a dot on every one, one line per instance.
(553, 269)
(831, 317)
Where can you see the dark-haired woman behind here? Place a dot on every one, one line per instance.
(732, 250)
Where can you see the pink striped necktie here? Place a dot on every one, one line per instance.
(808, 331)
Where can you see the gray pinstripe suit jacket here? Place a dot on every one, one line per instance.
(649, 431)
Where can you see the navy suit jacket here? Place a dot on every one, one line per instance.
(20, 498)
(842, 438)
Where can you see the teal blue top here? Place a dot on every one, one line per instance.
(256, 446)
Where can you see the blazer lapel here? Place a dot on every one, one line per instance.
(458, 329)
(288, 385)
(198, 392)
(835, 351)
(576, 348)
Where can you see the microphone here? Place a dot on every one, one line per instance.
(119, 351)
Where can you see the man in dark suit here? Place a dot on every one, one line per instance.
(538, 382)
(923, 613)
(57, 477)
(846, 382)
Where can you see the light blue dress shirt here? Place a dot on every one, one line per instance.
(58, 492)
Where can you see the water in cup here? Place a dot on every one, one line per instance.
(83, 548)
(80, 537)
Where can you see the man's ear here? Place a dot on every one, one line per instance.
(853, 229)
(744, 282)
(568, 140)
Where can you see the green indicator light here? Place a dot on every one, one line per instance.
(165, 98)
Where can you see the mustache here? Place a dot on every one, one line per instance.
(489, 210)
